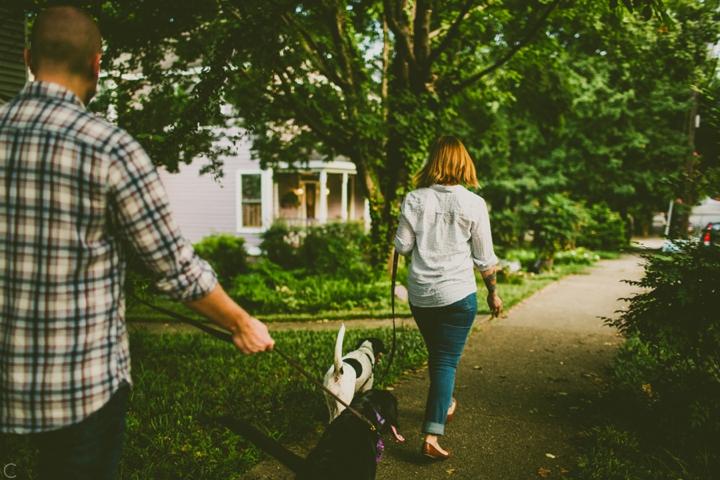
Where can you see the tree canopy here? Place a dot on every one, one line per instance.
(589, 99)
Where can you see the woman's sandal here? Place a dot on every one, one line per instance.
(450, 415)
(428, 450)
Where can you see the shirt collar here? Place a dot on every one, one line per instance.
(445, 188)
(50, 91)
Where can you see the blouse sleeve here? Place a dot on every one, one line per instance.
(405, 236)
(482, 247)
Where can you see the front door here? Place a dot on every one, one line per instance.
(310, 201)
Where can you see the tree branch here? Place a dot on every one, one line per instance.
(385, 67)
(329, 138)
(337, 28)
(421, 31)
(508, 55)
(401, 32)
(229, 9)
(452, 33)
(315, 52)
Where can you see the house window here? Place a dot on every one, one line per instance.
(254, 196)
(251, 187)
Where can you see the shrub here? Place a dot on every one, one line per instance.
(677, 320)
(508, 227)
(557, 224)
(576, 256)
(605, 229)
(280, 245)
(335, 250)
(226, 254)
(525, 257)
(269, 289)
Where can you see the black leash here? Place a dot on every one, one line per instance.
(226, 337)
(396, 256)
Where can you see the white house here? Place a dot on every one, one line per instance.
(247, 200)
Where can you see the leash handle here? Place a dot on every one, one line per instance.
(226, 337)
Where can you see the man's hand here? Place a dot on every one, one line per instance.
(249, 334)
(494, 303)
(253, 337)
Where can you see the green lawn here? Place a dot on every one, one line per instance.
(183, 382)
(511, 294)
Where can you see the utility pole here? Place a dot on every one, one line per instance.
(689, 166)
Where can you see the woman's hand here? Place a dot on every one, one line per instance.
(493, 300)
(494, 303)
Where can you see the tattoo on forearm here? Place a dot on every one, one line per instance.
(491, 282)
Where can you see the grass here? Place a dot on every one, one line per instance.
(634, 434)
(511, 294)
(183, 382)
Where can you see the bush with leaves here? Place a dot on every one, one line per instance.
(557, 224)
(226, 254)
(677, 318)
(280, 245)
(605, 229)
(335, 250)
(576, 256)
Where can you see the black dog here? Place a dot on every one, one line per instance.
(349, 448)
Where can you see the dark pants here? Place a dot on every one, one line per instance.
(445, 330)
(89, 449)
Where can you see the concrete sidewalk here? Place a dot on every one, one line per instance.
(524, 386)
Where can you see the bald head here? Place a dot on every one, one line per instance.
(64, 40)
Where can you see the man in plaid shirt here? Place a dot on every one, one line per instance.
(74, 192)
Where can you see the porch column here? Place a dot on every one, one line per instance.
(344, 198)
(276, 200)
(352, 198)
(368, 221)
(323, 214)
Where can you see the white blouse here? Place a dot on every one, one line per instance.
(447, 229)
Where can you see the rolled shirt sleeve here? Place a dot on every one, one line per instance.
(405, 236)
(483, 254)
(144, 219)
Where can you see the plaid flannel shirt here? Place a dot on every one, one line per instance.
(74, 192)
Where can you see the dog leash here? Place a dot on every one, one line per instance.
(226, 337)
(396, 256)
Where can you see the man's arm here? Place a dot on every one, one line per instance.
(250, 335)
(144, 219)
(493, 300)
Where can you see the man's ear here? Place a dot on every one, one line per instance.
(96, 66)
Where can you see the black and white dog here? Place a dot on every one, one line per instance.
(352, 373)
(349, 449)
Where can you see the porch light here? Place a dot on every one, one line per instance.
(327, 191)
(299, 191)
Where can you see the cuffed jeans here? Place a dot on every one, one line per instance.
(445, 330)
(89, 449)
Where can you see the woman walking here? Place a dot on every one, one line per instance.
(447, 229)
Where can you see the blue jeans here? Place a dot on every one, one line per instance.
(89, 449)
(445, 330)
